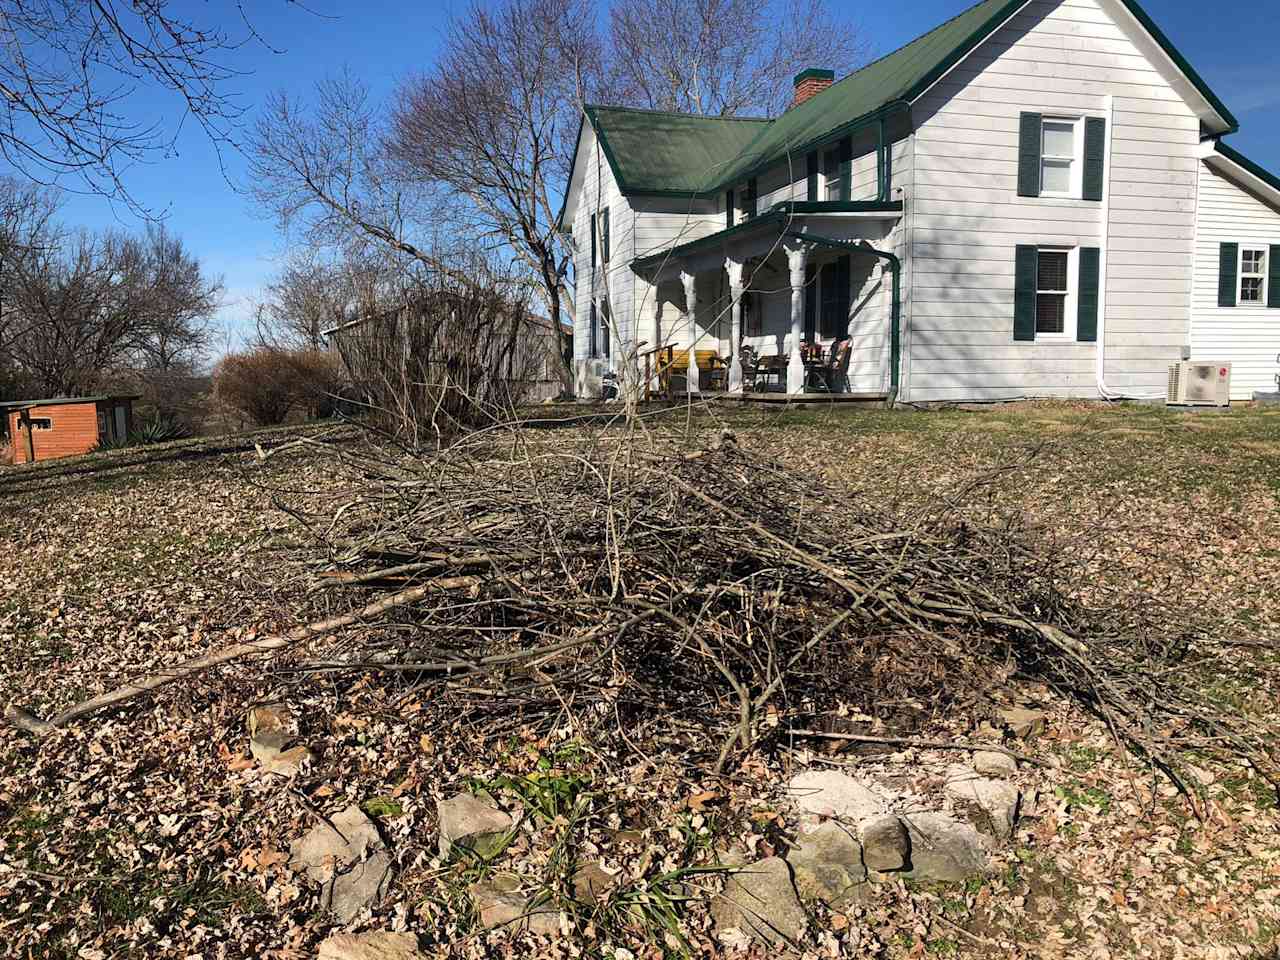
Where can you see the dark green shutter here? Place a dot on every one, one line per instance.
(835, 298)
(1095, 152)
(844, 277)
(1024, 293)
(811, 182)
(593, 241)
(1228, 267)
(810, 302)
(604, 234)
(1273, 277)
(753, 187)
(1087, 315)
(728, 208)
(1029, 154)
(591, 341)
(606, 316)
(845, 155)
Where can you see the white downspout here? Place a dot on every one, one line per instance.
(1100, 361)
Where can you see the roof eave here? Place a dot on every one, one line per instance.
(1242, 170)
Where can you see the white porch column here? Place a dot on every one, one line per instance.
(734, 268)
(691, 312)
(656, 342)
(797, 257)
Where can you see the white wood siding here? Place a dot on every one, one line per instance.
(1055, 57)
(1249, 337)
(613, 281)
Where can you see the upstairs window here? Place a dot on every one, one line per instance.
(1059, 164)
(831, 175)
(1052, 288)
(1253, 274)
(602, 232)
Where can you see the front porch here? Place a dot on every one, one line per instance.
(789, 307)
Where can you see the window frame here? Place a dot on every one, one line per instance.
(1070, 302)
(831, 174)
(1260, 276)
(1076, 189)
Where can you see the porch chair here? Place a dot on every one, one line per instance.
(832, 374)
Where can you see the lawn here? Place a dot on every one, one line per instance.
(148, 832)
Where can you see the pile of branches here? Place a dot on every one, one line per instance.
(667, 592)
(659, 593)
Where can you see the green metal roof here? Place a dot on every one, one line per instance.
(664, 153)
(779, 215)
(654, 152)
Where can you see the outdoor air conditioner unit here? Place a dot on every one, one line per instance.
(1194, 383)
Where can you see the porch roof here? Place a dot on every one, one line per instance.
(778, 216)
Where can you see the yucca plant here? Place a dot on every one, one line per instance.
(159, 430)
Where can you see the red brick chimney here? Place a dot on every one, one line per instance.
(810, 82)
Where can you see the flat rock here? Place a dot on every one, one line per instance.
(361, 886)
(830, 793)
(992, 805)
(885, 846)
(499, 903)
(472, 824)
(943, 848)
(378, 945)
(345, 854)
(992, 763)
(1023, 723)
(271, 739)
(760, 901)
(827, 861)
(269, 718)
(592, 883)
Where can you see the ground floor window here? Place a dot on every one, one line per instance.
(1052, 289)
(1253, 272)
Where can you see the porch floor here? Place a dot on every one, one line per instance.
(766, 396)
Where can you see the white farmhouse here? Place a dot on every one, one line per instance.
(1030, 200)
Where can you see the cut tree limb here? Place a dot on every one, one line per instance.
(25, 720)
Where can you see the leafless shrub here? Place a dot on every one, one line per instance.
(453, 356)
(261, 384)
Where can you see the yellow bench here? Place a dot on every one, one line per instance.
(680, 360)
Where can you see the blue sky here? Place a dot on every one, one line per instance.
(383, 41)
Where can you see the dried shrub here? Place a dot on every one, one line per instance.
(261, 385)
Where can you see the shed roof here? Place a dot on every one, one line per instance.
(662, 153)
(55, 401)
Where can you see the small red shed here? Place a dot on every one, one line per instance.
(65, 426)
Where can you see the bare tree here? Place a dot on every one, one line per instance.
(69, 67)
(319, 170)
(725, 57)
(312, 294)
(494, 123)
(91, 303)
(27, 227)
